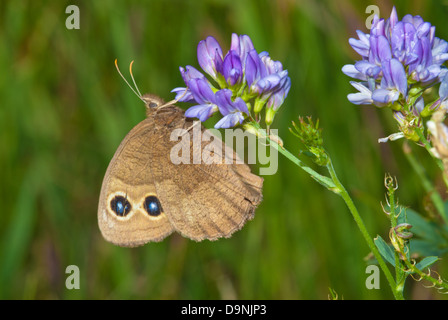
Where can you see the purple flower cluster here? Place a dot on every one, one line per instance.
(242, 76)
(400, 59)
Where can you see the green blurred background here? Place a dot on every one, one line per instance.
(64, 110)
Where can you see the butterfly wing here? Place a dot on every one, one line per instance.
(202, 201)
(123, 215)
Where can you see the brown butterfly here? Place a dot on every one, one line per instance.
(145, 196)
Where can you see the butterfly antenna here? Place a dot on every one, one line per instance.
(137, 93)
(132, 76)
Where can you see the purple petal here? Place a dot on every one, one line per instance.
(227, 106)
(202, 111)
(187, 74)
(201, 91)
(426, 75)
(206, 113)
(423, 30)
(230, 120)
(418, 106)
(426, 52)
(378, 26)
(393, 18)
(235, 43)
(210, 56)
(443, 89)
(267, 83)
(417, 52)
(180, 92)
(359, 98)
(368, 69)
(431, 34)
(254, 67)
(224, 101)
(399, 76)
(400, 117)
(394, 76)
(442, 74)
(361, 46)
(190, 73)
(403, 40)
(379, 50)
(385, 96)
(364, 96)
(433, 72)
(439, 51)
(270, 65)
(232, 68)
(242, 45)
(277, 98)
(351, 71)
(240, 105)
(416, 21)
(440, 59)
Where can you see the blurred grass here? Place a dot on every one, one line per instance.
(64, 110)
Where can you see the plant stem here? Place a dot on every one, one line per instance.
(400, 276)
(398, 294)
(335, 185)
(437, 283)
(323, 180)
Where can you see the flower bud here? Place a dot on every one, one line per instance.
(270, 114)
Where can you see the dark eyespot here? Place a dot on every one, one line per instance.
(153, 105)
(153, 206)
(120, 205)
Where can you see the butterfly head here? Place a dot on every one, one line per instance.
(152, 101)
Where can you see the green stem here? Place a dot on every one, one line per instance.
(400, 276)
(437, 283)
(335, 185)
(398, 294)
(323, 180)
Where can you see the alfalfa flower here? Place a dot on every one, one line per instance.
(397, 56)
(204, 95)
(210, 57)
(233, 111)
(400, 60)
(246, 82)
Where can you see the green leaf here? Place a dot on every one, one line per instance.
(426, 262)
(426, 248)
(326, 182)
(385, 250)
